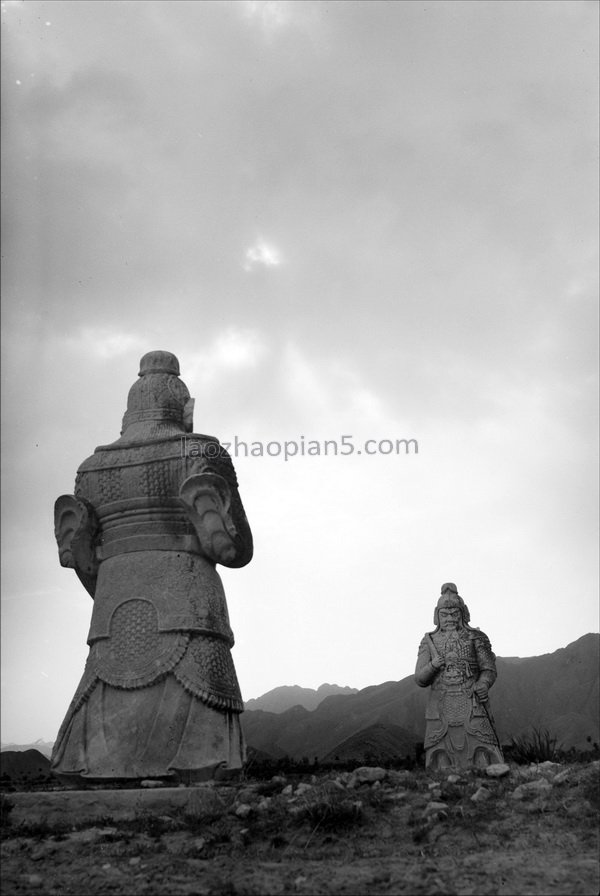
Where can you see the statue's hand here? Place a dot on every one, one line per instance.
(437, 662)
(481, 690)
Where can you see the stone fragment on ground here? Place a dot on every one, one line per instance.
(541, 787)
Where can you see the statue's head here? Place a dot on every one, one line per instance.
(451, 611)
(159, 396)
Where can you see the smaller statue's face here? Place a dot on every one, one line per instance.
(450, 618)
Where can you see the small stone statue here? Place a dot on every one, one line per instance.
(457, 662)
(152, 515)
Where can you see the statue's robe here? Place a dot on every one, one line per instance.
(159, 696)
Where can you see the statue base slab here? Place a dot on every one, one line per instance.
(75, 807)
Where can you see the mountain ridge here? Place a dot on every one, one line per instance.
(558, 691)
(285, 696)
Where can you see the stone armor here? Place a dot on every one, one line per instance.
(459, 726)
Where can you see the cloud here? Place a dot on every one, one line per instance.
(103, 343)
(231, 351)
(272, 15)
(332, 394)
(236, 349)
(276, 18)
(261, 254)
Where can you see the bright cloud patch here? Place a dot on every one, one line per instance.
(272, 14)
(236, 349)
(261, 254)
(231, 350)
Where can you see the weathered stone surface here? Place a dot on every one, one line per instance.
(497, 770)
(457, 663)
(303, 787)
(530, 789)
(481, 795)
(366, 775)
(243, 810)
(77, 806)
(152, 515)
(436, 808)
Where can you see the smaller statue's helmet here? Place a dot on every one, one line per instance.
(451, 598)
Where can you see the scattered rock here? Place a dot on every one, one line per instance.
(497, 770)
(42, 851)
(91, 835)
(400, 777)
(247, 794)
(480, 795)
(243, 811)
(151, 782)
(366, 775)
(302, 788)
(436, 808)
(530, 789)
(278, 779)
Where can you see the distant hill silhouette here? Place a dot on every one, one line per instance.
(375, 745)
(26, 765)
(286, 696)
(44, 746)
(558, 691)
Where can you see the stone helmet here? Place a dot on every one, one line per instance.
(451, 598)
(158, 395)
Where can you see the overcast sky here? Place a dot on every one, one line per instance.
(361, 219)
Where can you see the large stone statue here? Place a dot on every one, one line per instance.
(457, 663)
(152, 515)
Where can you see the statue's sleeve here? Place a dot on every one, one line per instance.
(425, 672)
(486, 659)
(76, 530)
(215, 509)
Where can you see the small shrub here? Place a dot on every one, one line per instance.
(331, 809)
(6, 807)
(538, 746)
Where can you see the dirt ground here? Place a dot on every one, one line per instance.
(531, 831)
